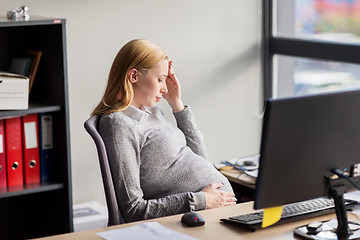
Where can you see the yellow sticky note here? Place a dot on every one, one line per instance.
(271, 216)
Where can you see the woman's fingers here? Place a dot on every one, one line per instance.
(171, 74)
(231, 199)
(171, 70)
(228, 197)
(226, 194)
(172, 80)
(173, 86)
(217, 185)
(172, 83)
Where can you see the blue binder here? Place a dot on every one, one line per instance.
(46, 147)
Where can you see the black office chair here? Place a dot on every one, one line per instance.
(115, 217)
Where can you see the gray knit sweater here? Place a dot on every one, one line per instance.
(158, 169)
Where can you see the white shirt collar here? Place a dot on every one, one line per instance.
(137, 114)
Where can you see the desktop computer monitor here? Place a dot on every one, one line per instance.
(303, 140)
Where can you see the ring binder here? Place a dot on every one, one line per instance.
(31, 148)
(14, 151)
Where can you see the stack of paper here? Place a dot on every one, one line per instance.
(148, 231)
(14, 91)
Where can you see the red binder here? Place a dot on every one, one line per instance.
(31, 148)
(14, 161)
(3, 182)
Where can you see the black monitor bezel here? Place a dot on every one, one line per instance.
(282, 177)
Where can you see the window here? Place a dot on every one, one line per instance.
(295, 76)
(311, 46)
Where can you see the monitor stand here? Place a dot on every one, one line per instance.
(332, 229)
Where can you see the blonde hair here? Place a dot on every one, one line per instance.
(139, 54)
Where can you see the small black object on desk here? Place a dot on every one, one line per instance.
(192, 219)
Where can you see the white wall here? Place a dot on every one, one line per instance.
(214, 46)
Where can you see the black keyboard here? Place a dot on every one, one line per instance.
(291, 213)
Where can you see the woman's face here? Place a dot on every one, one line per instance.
(150, 85)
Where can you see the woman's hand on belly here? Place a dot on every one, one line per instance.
(217, 198)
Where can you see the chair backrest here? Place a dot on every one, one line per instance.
(115, 217)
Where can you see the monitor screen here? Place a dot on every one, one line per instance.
(303, 138)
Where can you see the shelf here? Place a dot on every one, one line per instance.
(33, 108)
(29, 189)
(42, 209)
(33, 21)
